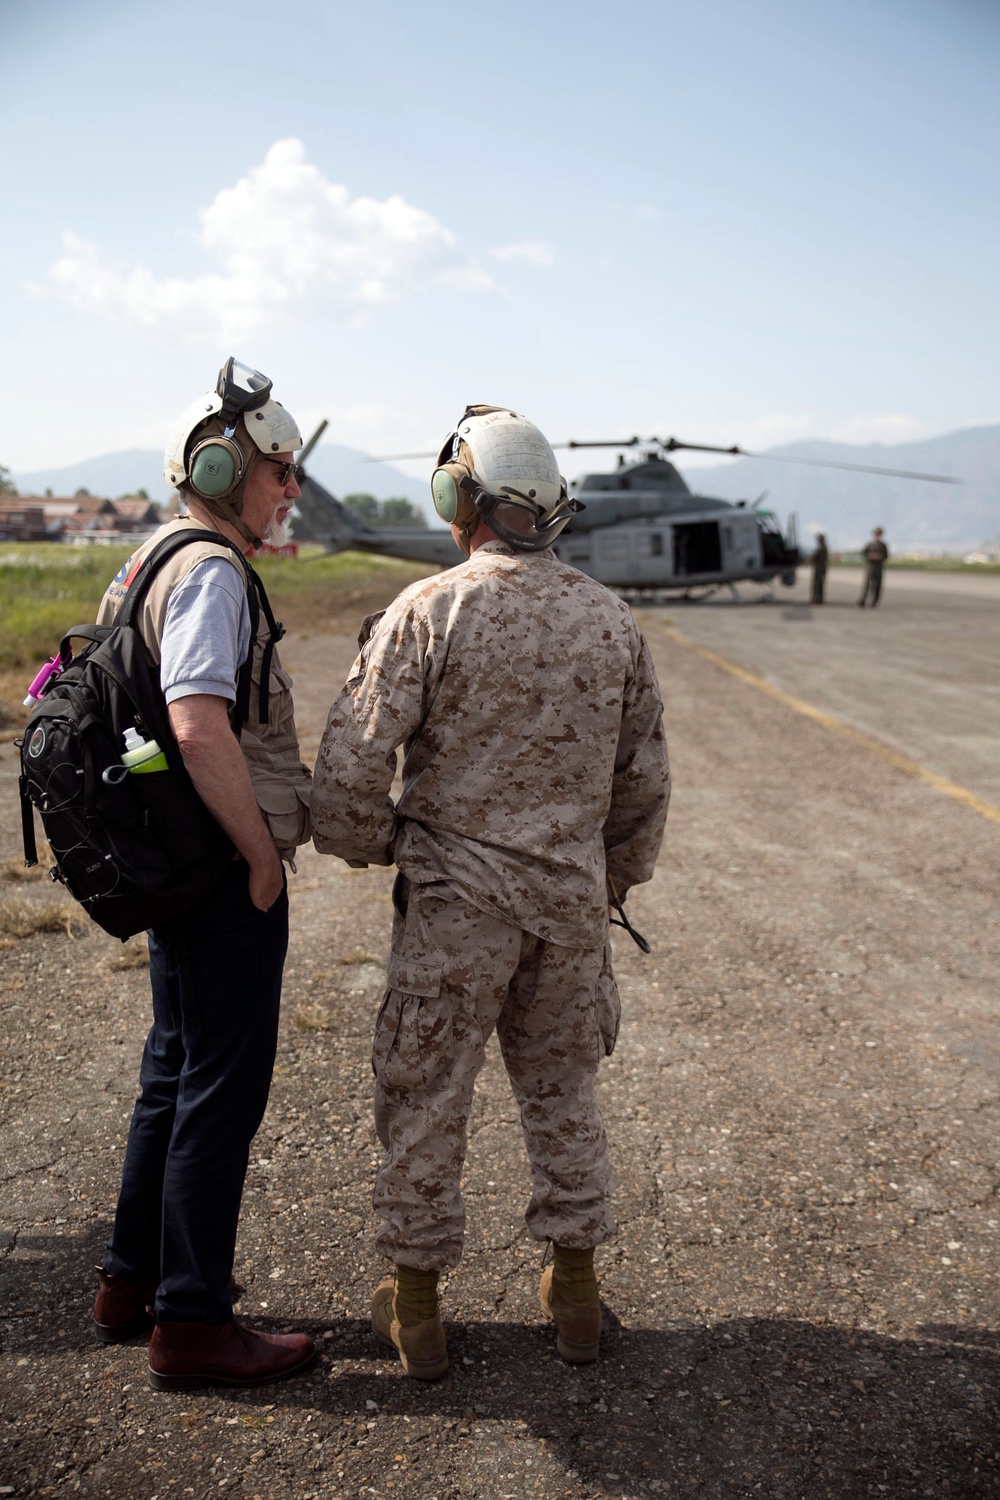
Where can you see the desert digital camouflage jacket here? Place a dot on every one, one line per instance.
(534, 758)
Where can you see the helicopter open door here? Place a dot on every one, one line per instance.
(697, 548)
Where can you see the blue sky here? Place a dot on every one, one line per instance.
(737, 220)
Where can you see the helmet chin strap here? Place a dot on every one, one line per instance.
(466, 531)
(467, 517)
(231, 514)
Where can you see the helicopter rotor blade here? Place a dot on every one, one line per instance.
(312, 442)
(674, 445)
(394, 458)
(831, 463)
(391, 458)
(631, 442)
(671, 445)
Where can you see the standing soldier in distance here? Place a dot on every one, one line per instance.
(874, 555)
(215, 971)
(535, 766)
(820, 558)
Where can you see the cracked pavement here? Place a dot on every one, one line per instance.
(802, 1300)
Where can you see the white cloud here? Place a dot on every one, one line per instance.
(467, 278)
(534, 252)
(281, 234)
(648, 213)
(888, 429)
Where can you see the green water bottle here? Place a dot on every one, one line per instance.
(142, 755)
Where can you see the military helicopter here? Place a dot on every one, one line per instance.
(641, 531)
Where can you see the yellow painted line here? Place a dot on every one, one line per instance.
(837, 726)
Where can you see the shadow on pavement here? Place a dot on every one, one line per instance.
(775, 1407)
(770, 1406)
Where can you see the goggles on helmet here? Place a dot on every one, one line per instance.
(240, 388)
(516, 519)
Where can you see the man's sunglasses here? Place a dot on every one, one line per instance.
(288, 471)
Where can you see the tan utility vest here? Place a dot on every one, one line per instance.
(281, 782)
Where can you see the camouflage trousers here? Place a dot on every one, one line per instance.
(456, 974)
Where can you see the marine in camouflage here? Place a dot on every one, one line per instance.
(534, 764)
(455, 975)
(534, 756)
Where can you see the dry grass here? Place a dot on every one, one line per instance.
(16, 870)
(134, 954)
(20, 919)
(313, 1018)
(13, 686)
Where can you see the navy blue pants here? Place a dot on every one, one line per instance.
(205, 1077)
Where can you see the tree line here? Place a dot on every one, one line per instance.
(9, 489)
(396, 511)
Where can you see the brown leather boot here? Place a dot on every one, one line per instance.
(186, 1356)
(568, 1293)
(405, 1314)
(123, 1309)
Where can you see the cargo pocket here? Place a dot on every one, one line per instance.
(414, 1042)
(284, 806)
(609, 1006)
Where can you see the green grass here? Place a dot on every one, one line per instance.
(45, 587)
(305, 588)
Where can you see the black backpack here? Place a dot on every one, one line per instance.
(134, 850)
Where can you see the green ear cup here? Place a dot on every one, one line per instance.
(444, 492)
(213, 471)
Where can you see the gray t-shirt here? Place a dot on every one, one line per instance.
(206, 633)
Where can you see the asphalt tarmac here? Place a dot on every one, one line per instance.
(802, 1300)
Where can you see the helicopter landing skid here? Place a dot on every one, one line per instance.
(708, 591)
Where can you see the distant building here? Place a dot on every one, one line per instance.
(73, 514)
(91, 507)
(81, 517)
(22, 521)
(137, 515)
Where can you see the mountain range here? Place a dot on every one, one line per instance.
(343, 471)
(913, 513)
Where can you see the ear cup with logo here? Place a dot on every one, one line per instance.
(216, 467)
(445, 490)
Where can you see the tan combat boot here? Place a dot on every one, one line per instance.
(405, 1314)
(568, 1292)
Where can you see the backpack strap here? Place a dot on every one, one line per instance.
(255, 590)
(27, 823)
(276, 632)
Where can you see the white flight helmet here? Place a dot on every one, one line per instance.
(498, 466)
(216, 440)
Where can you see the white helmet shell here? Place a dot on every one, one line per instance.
(511, 457)
(174, 455)
(271, 428)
